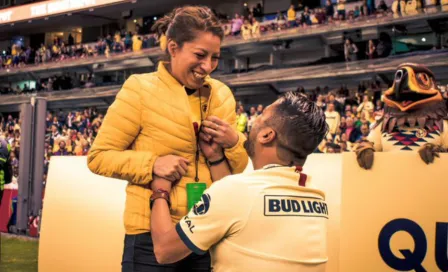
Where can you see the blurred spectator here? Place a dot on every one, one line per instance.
(241, 120)
(252, 117)
(364, 8)
(364, 133)
(332, 99)
(350, 50)
(382, 7)
(292, 17)
(260, 109)
(237, 23)
(332, 118)
(357, 12)
(62, 149)
(257, 11)
(329, 9)
(321, 102)
(255, 28)
(71, 40)
(306, 19)
(371, 50)
(246, 30)
(341, 9)
(378, 106)
(366, 105)
(137, 43)
(320, 16)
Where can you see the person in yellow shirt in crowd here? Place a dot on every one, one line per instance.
(162, 42)
(151, 130)
(14, 50)
(246, 30)
(241, 120)
(270, 219)
(136, 43)
(341, 9)
(255, 28)
(292, 20)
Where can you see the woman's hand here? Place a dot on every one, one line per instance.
(221, 132)
(171, 167)
(211, 150)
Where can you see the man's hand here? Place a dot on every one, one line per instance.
(171, 167)
(160, 183)
(211, 150)
(221, 132)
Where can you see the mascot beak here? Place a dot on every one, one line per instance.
(401, 77)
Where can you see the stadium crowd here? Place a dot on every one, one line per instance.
(251, 23)
(19, 56)
(67, 134)
(248, 24)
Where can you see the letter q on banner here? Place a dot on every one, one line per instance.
(413, 260)
(394, 215)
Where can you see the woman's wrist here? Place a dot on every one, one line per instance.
(216, 157)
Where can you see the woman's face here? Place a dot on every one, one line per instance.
(195, 60)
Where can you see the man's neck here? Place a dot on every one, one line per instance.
(262, 162)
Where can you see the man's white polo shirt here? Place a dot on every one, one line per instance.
(260, 221)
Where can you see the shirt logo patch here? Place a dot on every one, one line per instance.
(203, 205)
(285, 205)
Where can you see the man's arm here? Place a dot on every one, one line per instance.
(209, 221)
(168, 247)
(220, 171)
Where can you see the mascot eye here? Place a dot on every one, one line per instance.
(424, 80)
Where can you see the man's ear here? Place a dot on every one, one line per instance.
(172, 48)
(266, 135)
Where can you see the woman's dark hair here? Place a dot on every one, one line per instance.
(182, 24)
(300, 125)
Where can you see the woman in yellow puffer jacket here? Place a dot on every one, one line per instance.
(151, 129)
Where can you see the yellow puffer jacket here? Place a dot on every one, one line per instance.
(151, 117)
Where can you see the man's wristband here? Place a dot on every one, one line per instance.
(159, 193)
(213, 163)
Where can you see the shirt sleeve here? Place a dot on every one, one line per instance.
(215, 216)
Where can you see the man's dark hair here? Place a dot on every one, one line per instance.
(300, 125)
